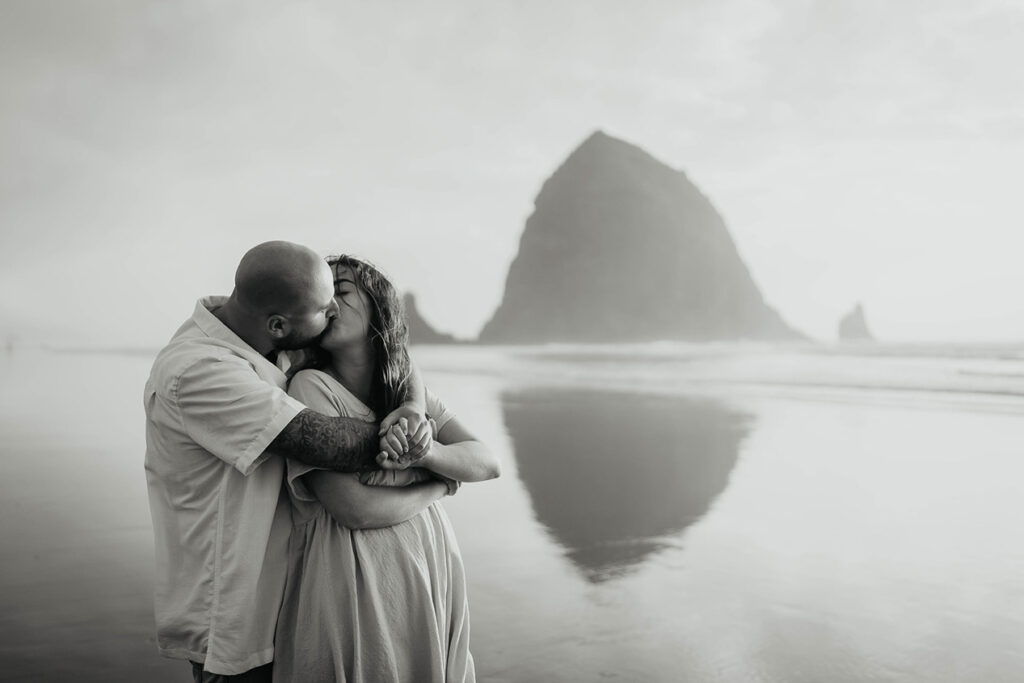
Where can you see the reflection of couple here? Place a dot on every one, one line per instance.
(353, 574)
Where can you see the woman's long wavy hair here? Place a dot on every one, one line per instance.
(389, 336)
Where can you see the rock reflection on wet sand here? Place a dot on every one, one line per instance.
(614, 476)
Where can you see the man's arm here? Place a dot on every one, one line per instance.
(342, 444)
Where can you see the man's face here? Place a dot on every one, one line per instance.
(311, 316)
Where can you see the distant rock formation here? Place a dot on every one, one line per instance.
(420, 331)
(620, 247)
(854, 326)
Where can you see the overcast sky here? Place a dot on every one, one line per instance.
(859, 151)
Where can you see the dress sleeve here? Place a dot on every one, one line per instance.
(309, 387)
(438, 410)
(231, 411)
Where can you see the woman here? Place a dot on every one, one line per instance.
(376, 589)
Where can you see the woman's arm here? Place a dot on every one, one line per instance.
(356, 506)
(459, 455)
(414, 409)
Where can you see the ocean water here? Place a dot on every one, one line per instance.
(666, 513)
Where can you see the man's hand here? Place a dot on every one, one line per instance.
(400, 450)
(395, 441)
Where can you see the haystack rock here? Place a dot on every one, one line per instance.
(622, 248)
(420, 331)
(854, 326)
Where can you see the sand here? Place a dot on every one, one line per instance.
(726, 537)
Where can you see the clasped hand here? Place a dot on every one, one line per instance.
(405, 438)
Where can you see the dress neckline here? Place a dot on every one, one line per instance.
(342, 391)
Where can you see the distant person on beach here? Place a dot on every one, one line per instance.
(376, 586)
(216, 415)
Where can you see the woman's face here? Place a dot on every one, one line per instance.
(354, 311)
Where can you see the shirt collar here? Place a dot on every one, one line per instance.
(211, 325)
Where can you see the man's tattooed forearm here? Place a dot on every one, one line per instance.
(345, 445)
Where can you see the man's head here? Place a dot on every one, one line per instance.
(287, 292)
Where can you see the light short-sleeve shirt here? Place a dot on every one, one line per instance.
(213, 405)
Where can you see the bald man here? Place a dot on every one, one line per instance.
(216, 415)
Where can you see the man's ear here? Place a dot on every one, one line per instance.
(278, 326)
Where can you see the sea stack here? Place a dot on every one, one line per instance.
(854, 326)
(420, 331)
(622, 248)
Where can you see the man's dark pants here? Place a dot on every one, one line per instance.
(260, 674)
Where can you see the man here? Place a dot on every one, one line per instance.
(216, 415)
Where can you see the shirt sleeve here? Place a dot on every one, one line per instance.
(231, 412)
(437, 410)
(309, 388)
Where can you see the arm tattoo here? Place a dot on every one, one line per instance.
(337, 443)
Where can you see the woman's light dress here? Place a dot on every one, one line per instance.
(369, 605)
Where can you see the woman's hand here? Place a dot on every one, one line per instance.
(452, 484)
(412, 414)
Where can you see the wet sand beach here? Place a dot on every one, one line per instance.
(634, 535)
